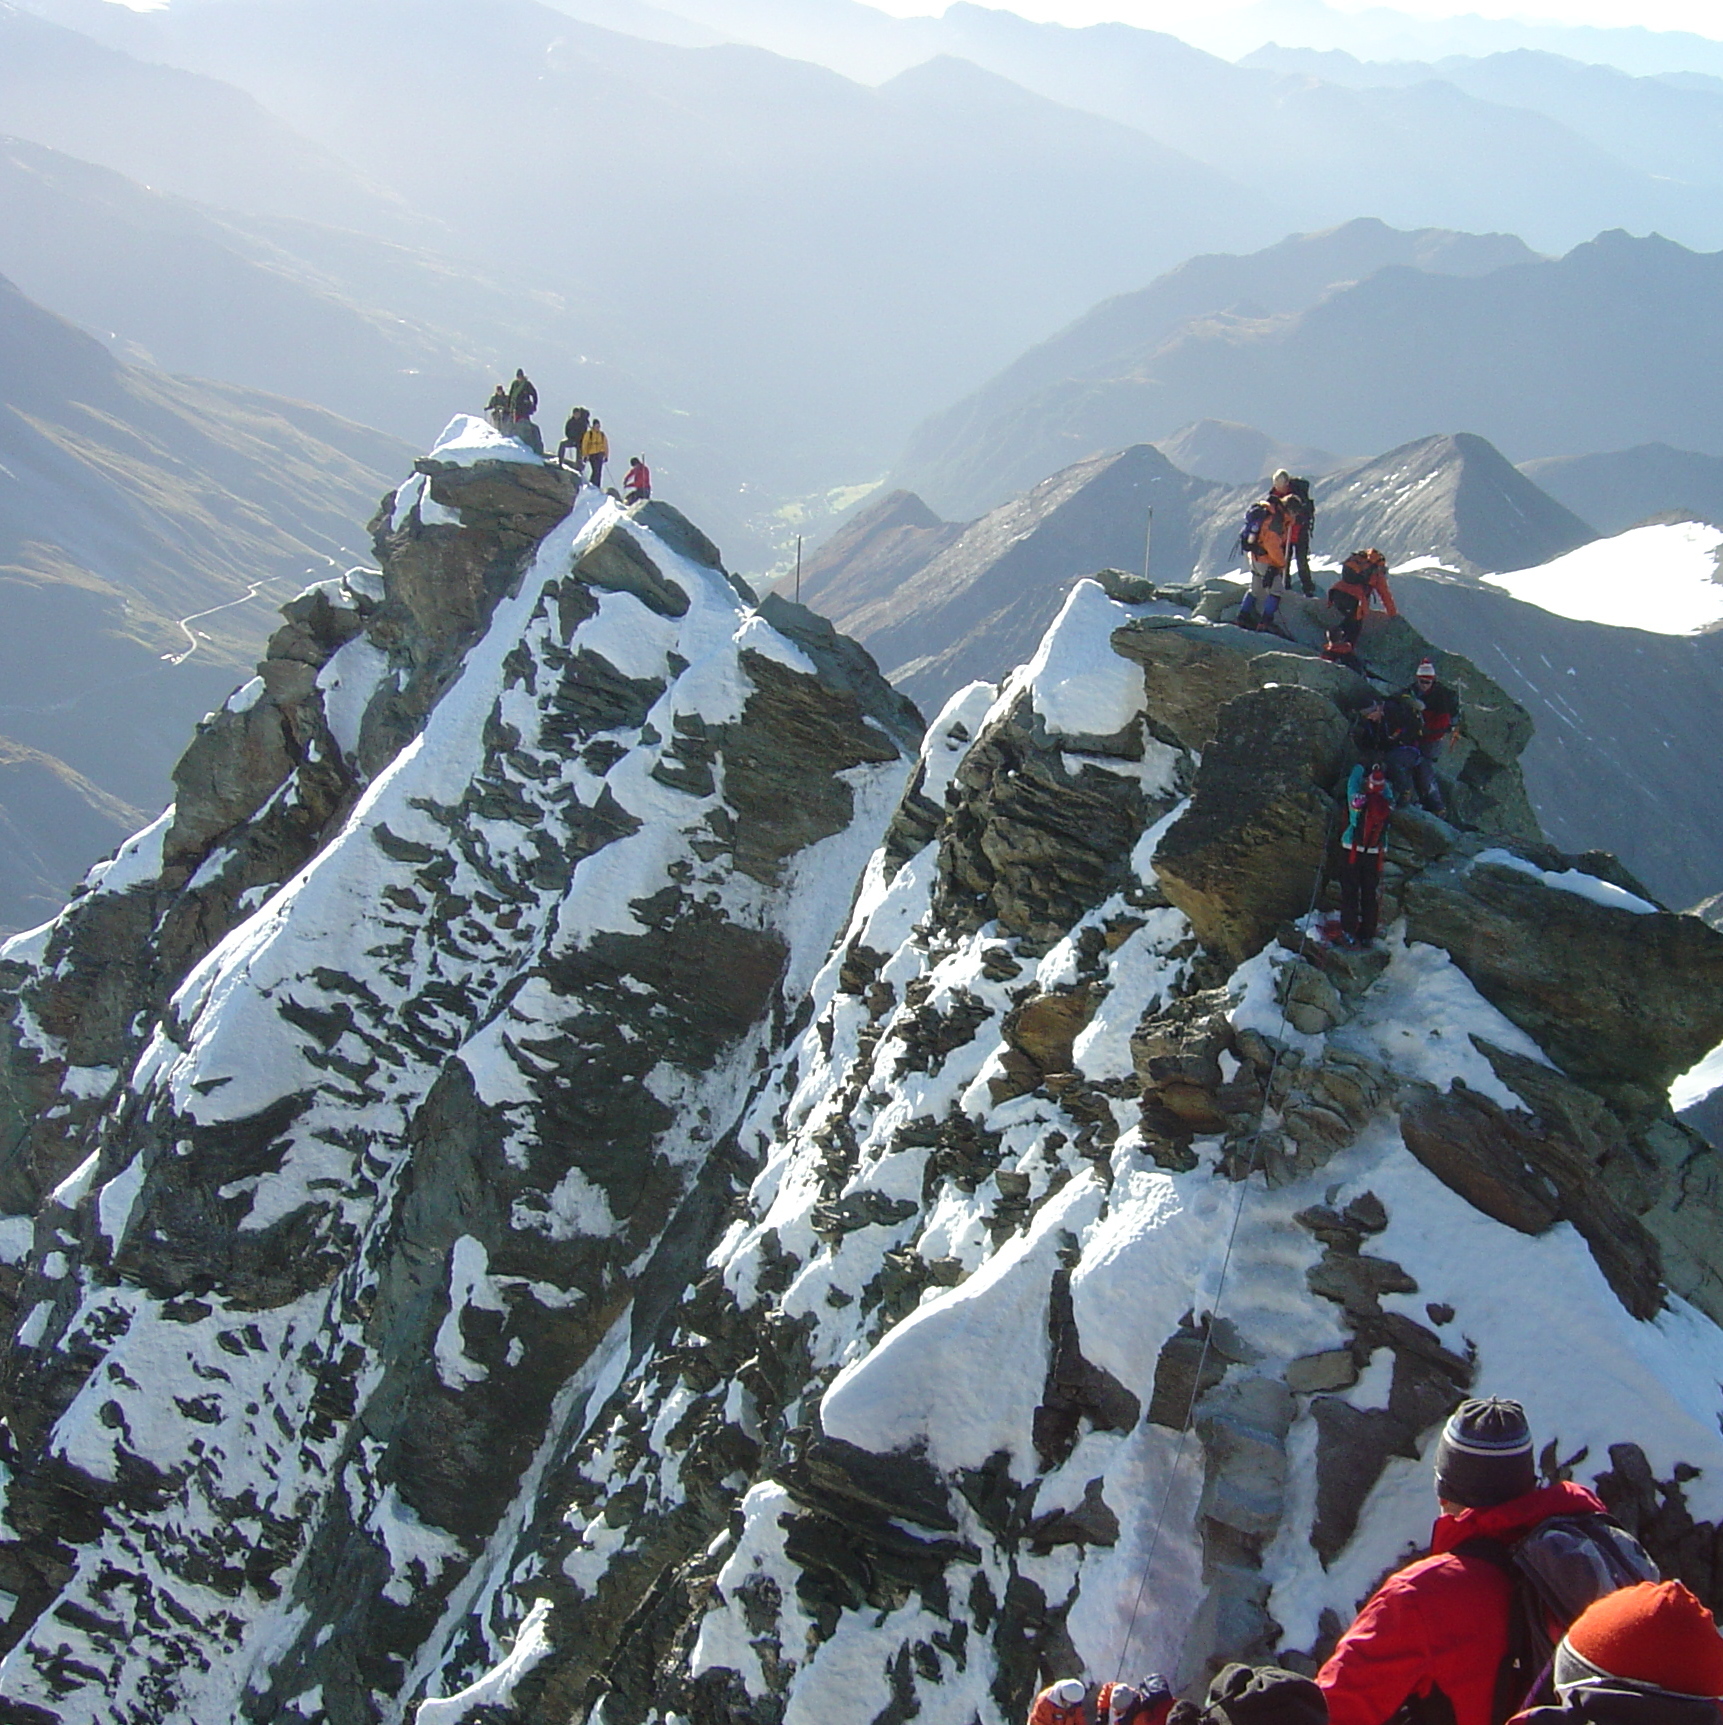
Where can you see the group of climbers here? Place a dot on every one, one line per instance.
(1531, 1607)
(1397, 736)
(511, 409)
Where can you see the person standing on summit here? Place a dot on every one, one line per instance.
(523, 398)
(1435, 1636)
(1266, 543)
(574, 429)
(594, 449)
(1294, 497)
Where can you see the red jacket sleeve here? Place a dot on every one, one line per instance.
(1380, 583)
(1383, 1658)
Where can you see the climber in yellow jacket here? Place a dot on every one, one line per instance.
(594, 447)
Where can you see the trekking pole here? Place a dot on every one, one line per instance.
(1148, 541)
(798, 568)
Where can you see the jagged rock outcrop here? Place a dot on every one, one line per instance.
(389, 1084)
(613, 1310)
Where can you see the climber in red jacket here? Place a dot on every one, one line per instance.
(1442, 1623)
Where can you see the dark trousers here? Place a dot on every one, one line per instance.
(1409, 766)
(1301, 563)
(1360, 876)
(596, 462)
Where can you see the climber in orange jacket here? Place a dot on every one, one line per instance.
(1071, 1701)
(1363, 577)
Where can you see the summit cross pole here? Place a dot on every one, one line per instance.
(1148, 540)
(798, 568)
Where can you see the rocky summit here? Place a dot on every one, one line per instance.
(581, 1172)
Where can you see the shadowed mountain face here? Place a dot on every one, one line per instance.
(939, 604)
(1055, 404)
(1615, 343)
(130, 501)
(1622, 755)
(177, 131)
(1623, 488)
(1232, 454)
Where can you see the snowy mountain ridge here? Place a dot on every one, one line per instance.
(506, 1227)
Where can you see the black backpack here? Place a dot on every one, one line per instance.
(1557, 1569)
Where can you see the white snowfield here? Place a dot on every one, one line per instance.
(1663, 578)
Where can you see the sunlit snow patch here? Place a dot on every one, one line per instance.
(466, 439)
(1662, 578)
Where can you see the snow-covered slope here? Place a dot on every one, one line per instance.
(1043, 1162)
(1665, 577)
(356, 1207)
(487, 1251)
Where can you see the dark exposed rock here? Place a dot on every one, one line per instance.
(1579, 990)
(1245, 856)
(1030, 844)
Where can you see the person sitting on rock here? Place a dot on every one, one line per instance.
(1266, 541)
(637, 481)
(1071, 1701)
(1363, 577)
(1439, 717)
(1294, 496)
(1370, 801)
(1267, 1695)
(574, 429)
(1648, 1654)
(497, 410)
(1438, 1629)
(594, 448)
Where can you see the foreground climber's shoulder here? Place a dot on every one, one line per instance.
(1645, 1655)
(1441, 1625)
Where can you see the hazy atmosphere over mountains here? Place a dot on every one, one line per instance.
(790, 1071)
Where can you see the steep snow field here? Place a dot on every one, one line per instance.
(1663, 577)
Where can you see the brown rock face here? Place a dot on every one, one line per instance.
(1246, 855)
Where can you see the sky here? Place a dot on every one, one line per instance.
(1701, 17)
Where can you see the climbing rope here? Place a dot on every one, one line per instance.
(1219, 1293)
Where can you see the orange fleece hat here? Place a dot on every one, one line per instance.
(1653, 1632)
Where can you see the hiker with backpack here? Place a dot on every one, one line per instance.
(497, 411)
(1363, 577)
(1266, 541)
(1648, 1654)
(1370, 801)
(1071, 1701)
(1388, 731)
(573, 430)
(1264, 1695)
(1294, 496)
(1465, 1633)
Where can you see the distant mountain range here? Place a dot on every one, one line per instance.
(130, 501)
(1063, 399)
(941, 603)
(1615, 343)
(1623, 487)
(770, 271)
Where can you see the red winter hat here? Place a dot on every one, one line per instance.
(1654, 1632)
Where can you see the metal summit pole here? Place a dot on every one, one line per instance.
(798, 568)
(1148, 540)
